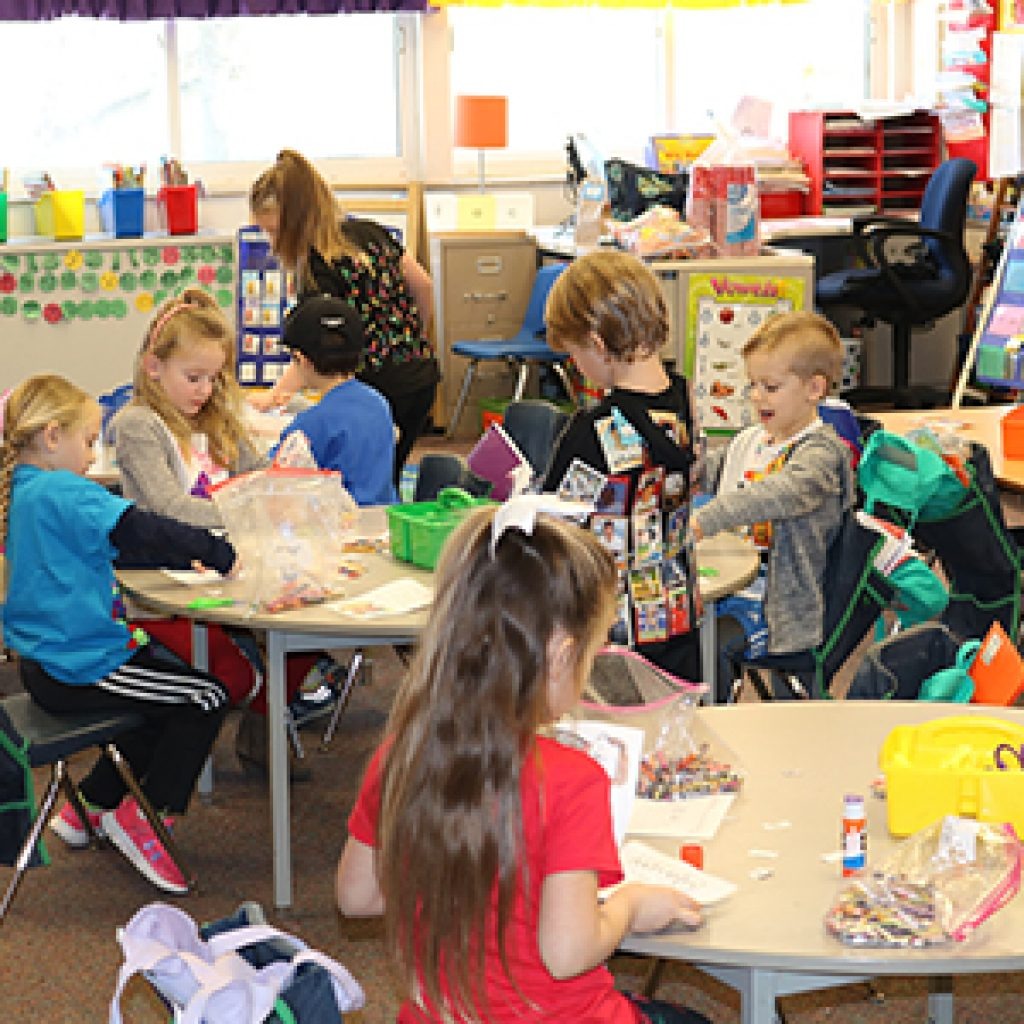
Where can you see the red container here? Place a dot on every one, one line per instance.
(782, 204)
(178, 206)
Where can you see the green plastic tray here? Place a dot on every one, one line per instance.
(417, 531)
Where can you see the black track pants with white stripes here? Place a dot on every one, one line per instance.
(183, 708)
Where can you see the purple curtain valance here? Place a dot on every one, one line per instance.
(149, 10)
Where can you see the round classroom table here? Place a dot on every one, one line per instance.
(731, 561)
(768, 938)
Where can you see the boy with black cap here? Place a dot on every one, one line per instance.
(350, 429)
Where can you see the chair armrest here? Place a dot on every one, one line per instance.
(875, 240)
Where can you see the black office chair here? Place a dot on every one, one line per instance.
(910, 275)
(535, 426)
(41, 738)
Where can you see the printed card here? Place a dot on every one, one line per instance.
(272, 284)
(581, 482)
(647, 546)
(270, 314)
(622, 628)
(251, 344)
(611, 531)
(651, 622)
(678, 611)
(649, 490)
(623, 447)
(251, 285)
(613, 497)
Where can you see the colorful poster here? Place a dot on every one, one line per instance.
(723, 310)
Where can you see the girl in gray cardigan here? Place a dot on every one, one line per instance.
(184, 431)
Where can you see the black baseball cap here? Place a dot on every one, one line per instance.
(324, 325)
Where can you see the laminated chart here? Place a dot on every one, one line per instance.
(999, 341)
(724, 309)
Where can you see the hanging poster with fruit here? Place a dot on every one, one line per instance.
(723, 310)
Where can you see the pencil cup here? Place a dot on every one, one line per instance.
(123, 212)
(178, 207)
(61, 215)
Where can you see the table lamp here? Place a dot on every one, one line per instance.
(481, 123)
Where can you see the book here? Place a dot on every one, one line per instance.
(497, 458)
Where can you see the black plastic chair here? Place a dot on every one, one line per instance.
(438, 470)
(48, 739)
(910, 274)
(535, 426)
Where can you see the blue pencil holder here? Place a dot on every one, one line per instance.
(123, 212)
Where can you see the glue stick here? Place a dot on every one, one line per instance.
(853, 838)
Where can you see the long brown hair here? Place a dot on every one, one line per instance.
(308, 214)
(463, 721)
(37, 401)
(193, 317)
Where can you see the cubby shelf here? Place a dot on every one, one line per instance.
(860, 166)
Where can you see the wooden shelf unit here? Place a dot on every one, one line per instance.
(861, 166)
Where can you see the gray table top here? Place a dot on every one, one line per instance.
(800, 758)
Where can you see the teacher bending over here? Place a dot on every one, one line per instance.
(361, 262)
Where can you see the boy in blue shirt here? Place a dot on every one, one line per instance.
(350, 429)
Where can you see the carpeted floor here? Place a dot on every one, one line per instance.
(59, 955)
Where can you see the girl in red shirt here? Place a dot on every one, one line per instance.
(482, 843)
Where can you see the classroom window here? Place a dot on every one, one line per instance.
(597, 71)
(82, 92)
(810, 54)
(324, 85)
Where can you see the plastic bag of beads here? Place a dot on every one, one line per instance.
(289, 526)
(939, 886)
(680, 756)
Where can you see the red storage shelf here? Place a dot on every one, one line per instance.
(855, 165)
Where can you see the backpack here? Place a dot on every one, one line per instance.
(237, 970)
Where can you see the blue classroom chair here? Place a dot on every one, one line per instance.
(527, 345)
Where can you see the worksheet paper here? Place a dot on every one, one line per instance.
(618, 749)
(642, 863)
(696, 818)
(395, 598)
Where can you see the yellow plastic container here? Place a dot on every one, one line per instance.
(948, 766)
(61, 215)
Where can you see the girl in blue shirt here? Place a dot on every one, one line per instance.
(64, 617)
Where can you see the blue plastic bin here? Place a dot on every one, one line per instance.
(123, 212)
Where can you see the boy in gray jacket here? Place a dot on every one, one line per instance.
(787, 479)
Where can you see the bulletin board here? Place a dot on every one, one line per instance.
(998, 343)
(82, 308)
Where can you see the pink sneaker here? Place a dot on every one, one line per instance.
(128, 829)
(69, 826)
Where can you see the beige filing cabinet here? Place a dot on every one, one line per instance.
(482, 283)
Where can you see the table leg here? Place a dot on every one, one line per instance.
(709, 650)
(201, 661)
(278, 756)
(940, 999)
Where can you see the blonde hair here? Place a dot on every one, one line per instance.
(193, 316)
(808, 341)
(464, 719)
(33, 405)
(308, 214)
(613, 295)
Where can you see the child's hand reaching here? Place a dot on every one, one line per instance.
(655, 907)
(695, 531)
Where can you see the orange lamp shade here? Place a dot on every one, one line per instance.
(481, 122)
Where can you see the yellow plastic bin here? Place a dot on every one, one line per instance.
(949, 766)
(417, 531)
(61, 215)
